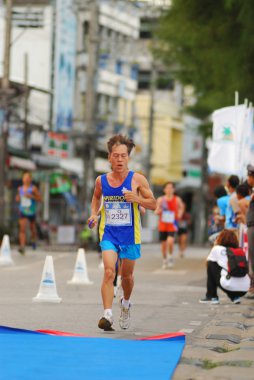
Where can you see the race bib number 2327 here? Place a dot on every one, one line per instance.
(118, 213)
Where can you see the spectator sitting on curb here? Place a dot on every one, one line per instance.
(217, 273)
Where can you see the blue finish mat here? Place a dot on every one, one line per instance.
(30, 355)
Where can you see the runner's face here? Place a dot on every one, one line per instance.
(119, 158)
(169, 190)
(27, 179)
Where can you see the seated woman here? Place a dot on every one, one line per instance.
(217, 275)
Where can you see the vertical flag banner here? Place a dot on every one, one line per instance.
(228, 124)
(65, 53)
(245, 152)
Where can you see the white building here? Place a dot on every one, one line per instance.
(31, 36)
(117, 70)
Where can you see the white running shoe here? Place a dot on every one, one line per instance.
(125, 317)
(170, 262)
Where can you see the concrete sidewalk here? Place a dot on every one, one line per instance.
(223, 348)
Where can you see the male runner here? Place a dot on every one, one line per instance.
(170, 209)
(123, 192)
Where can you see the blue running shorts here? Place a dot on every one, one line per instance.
(130, 252)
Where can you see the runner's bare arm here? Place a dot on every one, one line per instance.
(17, 198)
(142, 210)
(144, 196)
(158, 209)
(95, 205)
(36, 194)
(180, 208)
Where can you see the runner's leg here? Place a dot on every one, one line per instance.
(22, 232)
(33, 230)
(164, 249)
(182, 239)
(127, 269)
(127, 284)
(170, 241)
(107, 289)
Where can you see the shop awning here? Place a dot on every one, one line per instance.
(72, 165)
(21, 163)
(46, 161)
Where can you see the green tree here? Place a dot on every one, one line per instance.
(210, 45)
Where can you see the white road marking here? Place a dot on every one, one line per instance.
(195, 323)
(187, 331)
(29, 265)
(168, 272)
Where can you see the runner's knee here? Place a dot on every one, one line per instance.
(127, 277)
(109, 274)
(22, 227)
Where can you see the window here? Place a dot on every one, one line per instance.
(146, 28)
(164, 81)
(28, 17)
(144, 79)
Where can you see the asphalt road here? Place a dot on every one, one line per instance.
(163, 300)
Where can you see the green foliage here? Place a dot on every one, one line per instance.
(210, 45)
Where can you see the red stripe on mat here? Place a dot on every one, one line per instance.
(156, 337)
(164, 336)
(59, 333)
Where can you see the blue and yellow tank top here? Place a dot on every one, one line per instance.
(27, 206)
(120, 220)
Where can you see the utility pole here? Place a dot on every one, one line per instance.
(26, 131)
(153, 80)
(90, 106)
(5, 92)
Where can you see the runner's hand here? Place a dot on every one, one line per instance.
(28, 195)
(92, 221)
(130, 196)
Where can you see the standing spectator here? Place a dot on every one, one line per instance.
(170, 209)
(215, 224)
(250, 230)
(27, 197)
(222, 201)
(183, 225)
(243, 197)
(232, 208)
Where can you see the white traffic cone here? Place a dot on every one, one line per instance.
(47, 291)
(80, 275)
(5, 252)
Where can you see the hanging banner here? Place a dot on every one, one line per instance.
(65, 54)
(228, 127)
(58, 145)
(246, 145)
